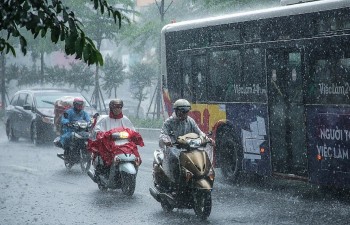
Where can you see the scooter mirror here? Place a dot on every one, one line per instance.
(96, 115)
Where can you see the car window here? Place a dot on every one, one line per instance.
(29, 100)
(21, 99)
(47, 100)
(14, 100)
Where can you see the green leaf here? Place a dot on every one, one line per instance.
(95, 4)
(79, 45)
(55, 34)
(41, 15)
(89, 40)
(12, 49)
(63, 33)
(99, 58)
(72, 25)
(59, 7)
(65, 16)
(26, 6)
(70, 44)
(43, 31)
(37, 31)
(92, 58)
(86, 52)
(115, 15)
(102, 7)
(23, 43)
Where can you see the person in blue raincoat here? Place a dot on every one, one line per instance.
(71, 115)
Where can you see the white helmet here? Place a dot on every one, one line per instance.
(182, 105)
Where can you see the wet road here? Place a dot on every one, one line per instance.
(36, 188)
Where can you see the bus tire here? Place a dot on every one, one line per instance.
(231, 153)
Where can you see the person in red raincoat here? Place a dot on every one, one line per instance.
(102, 143)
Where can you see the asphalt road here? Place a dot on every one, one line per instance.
(36, 188)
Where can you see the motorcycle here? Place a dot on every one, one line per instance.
(183, 176)
(77, 148)
(115, 159)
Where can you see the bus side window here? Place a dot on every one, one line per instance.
(199, 76)
(224, 71)
(187, 79)
(330, 73)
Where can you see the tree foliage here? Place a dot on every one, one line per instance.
(141, 77)
(39, 17)
(113, 77)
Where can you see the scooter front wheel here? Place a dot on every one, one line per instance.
(128, 183)
(101, 187)
(166, 207)
(202, 203)
(67, 162)
(85, 160)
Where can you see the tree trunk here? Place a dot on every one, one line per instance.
(42, 64)
(3, 85)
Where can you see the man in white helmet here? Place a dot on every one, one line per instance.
(178, 124)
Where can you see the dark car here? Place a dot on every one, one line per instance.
(30, 114)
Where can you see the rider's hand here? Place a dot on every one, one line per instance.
(167, 143)
(212, 142)
(209, 140)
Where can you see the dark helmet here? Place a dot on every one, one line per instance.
(115, 103)
(78, 103)
(182, 105)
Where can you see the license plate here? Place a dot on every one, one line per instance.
(121, 141)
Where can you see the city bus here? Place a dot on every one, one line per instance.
(272, 85)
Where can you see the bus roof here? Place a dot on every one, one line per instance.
(322, 5)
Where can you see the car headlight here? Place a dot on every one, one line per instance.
(48, 120)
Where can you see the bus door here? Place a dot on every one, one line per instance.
(286, 111)
(194, 79)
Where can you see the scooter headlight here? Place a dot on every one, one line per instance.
(194, 143)
(82, 124)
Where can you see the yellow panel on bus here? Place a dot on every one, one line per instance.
(207, 115)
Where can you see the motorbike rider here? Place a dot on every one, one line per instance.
(115, 118)
(178, 124)
(71, 115)
(105, 123)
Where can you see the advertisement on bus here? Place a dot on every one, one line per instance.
(250, 121)
(328, 134)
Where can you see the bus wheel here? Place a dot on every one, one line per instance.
(231, 154)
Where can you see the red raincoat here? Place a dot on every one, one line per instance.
(105, 146)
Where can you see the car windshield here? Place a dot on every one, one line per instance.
(47, 100)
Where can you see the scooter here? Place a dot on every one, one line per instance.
(115, 159)
(183, 176)
(77, 150)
